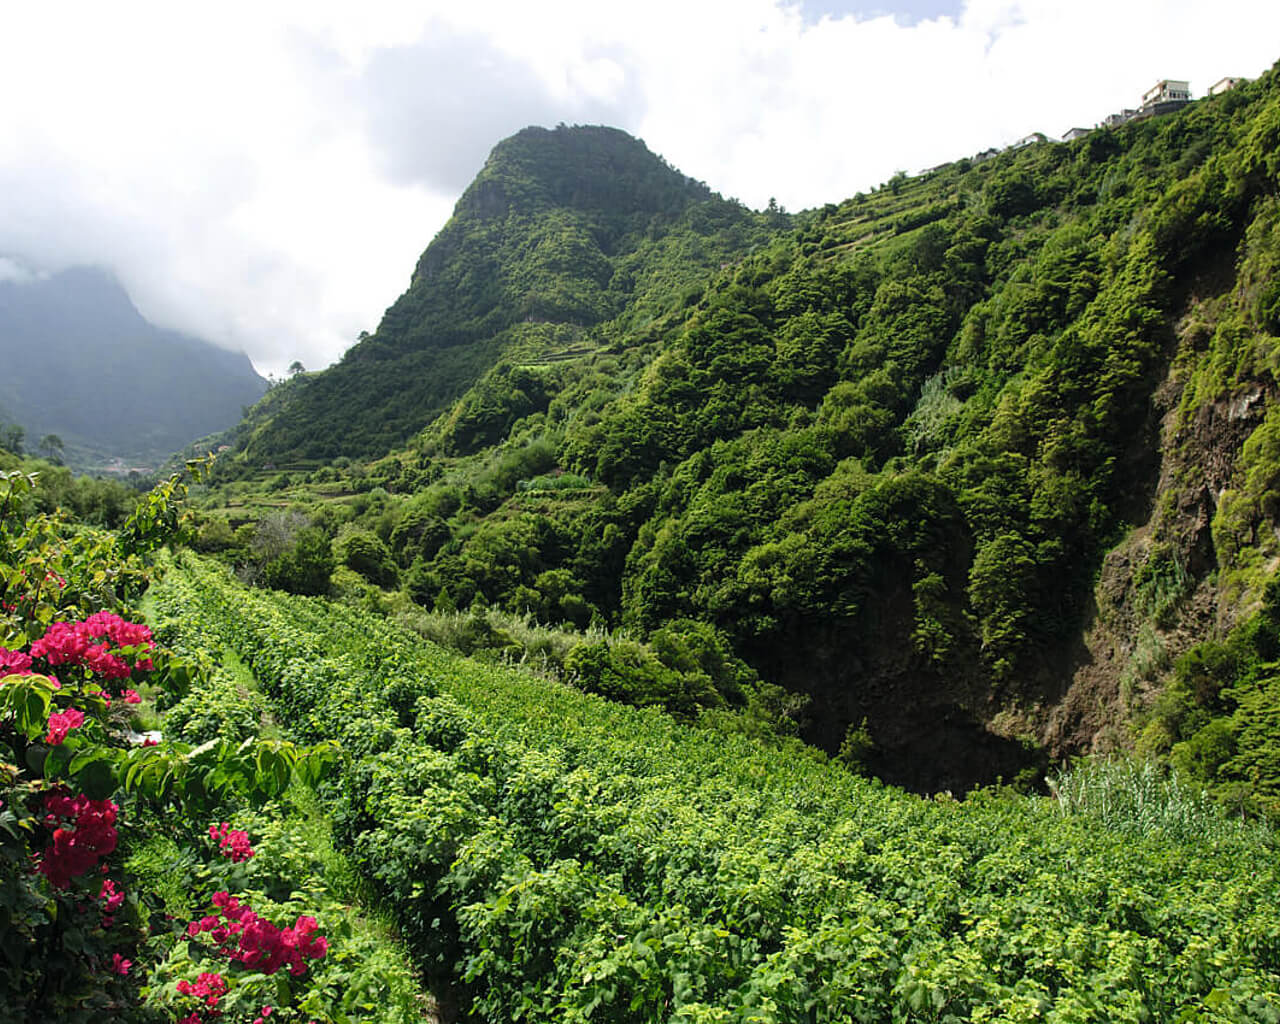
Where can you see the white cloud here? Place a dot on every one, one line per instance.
(267, 175)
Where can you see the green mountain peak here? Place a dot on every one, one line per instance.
(550, 233)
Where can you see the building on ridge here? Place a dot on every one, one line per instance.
(1116, 120)
(1029, 140)
(1167, 90)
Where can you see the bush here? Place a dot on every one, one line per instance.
(629, 672)
(304, 569)
(364, 553)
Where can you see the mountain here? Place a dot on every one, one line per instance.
(82, 363)
(984, 462)
(561, 231)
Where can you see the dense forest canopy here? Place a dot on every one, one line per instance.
(971, 461)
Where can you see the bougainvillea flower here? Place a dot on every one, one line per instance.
(61, 723)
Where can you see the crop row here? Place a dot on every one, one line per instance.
(569, 859)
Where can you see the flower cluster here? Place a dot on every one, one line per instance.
(111, 899)
(257, 943)
(61, 723)
(234, 843)
(90, 643)
(208, 988)
(77, 850)
(14, 663)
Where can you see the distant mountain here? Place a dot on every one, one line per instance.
(562, 231)
(81, 362)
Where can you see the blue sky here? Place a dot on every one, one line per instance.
(906, 12)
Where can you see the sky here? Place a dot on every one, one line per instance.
(265, 175)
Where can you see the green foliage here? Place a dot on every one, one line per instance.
(80, 931)
(627, 671)
(306, 567)
(563, 858)
(883, 447)
(857, 749)
(1139, 798)
(565, 229)
(366, 554)
(1218, 720)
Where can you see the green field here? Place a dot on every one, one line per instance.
(550, 856)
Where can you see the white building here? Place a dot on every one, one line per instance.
(1030, 140)
(1225, 84)
(1167, 91)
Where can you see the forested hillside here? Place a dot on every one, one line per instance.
(975, 461)
(560, 232)
(82, 364)
(546, 659)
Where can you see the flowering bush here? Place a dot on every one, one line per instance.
(233, 843)
(87, 834)
(207, 991)
(61, 723)
(80, 938)
(243, 936)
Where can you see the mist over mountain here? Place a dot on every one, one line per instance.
(82, 363)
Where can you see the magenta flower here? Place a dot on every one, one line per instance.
(61, 723)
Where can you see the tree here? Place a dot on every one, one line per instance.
(296, 368)
(51, 447)
(12, 437)
(366, 554)
(306, 568)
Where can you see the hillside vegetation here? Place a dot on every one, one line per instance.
(732, 522)
(971, 461)
(557, 857)
(559, 232)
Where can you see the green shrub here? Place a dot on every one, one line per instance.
(366, 554)
(305, 568)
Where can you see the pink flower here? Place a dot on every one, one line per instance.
(256, 942)
(91, 643)
(131, 697)
(77, 850)
(119, 965)
(61, 723)
(13, 662)
(234, 843)
(111, 898)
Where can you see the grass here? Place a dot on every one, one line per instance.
(1141, 798)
